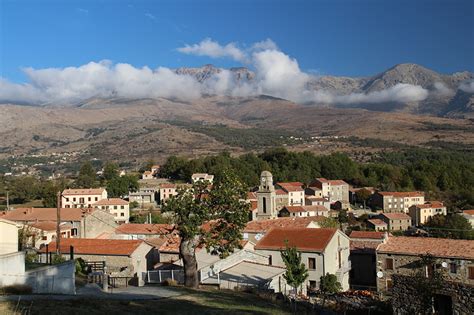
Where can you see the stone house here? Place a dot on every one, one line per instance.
(377, 225)
(303, 211)
(421, 213)
(122, 257)
(396, 221)
(311, 200)
(363, 258)
(397, 201)
(322, 251)
(295, 192)
(82, 198)
(147, 175)
(119, 208)
(145, 196)
(334, 190)
(42, 233)
(84, 222)
(400, 256)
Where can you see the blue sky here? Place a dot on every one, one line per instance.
(350, 37)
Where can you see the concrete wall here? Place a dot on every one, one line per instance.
(53, 279)
(12, 268)
(8, 237)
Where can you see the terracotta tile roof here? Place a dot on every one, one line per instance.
(314, 198)
(431, 204)
(263, 226)
(367, 234)
(306, 240)
(251, 195)
(366, 246)
(377, 222)
(147, 173)
(50, 226)
(470, 212)
(111, 202)
(294, 209)
(138, 228)
(280, 192)
(438, 247)
(396, 216)
(169, 185)
(156, 242)
(44, 214)
(93, 246)
(337, 182)
(402, 194)
(291, 186)
(89, 191)
(171, 245)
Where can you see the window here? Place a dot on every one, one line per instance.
(122, 207)
(389, 284)
(44, 238)
(122, 214)
(81, 200)
(115, 207)
(389, 263)
(471, 273)
(74, 199)
(312, 263)
(453, 267)
(264, 200)
(312, 284)
(88, 198)
(67, 199)
(270, 260)
(430, 271)
(96, 199)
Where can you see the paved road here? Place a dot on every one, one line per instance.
(92, 291)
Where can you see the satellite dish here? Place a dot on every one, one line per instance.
(379, 274)
(444, 264)
(258, 236)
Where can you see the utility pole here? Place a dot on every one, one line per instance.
(58, 222)
(8, 201)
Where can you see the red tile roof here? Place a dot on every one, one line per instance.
(337, 182)
(150, 229)
(251, 195)
(402, 194)
(171, 245)
(364, 246)
(438, 247)
(44, 214)
(377, 222)
(263, 226)
(295, 209)
(111, 202)
(253, 205)
(93, 246)
(49, 226)
(280, 192)
(89, 191)
(367, 234)
(431, 204)
(291, 186)
(397, 216)
(168, 185)
(470, 212)
(306, 240)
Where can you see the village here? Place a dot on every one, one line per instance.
(374, 250)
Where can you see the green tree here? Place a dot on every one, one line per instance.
(120, 186)
(110, 171)
(363, 195)
(451, 226)
(87, 176)
(213, 218)
(329, 285)
(296, 271)
(329, 223)
(342, 217)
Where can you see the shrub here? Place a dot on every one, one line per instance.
(17, 289)
(30, 257)
(81, 266)
(170, 283)
(57, 259)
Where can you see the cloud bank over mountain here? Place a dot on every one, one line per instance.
(275, 74)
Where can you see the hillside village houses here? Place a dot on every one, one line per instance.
(145, 196)
(119, 208)
(397, 201)
(197, 177)
(396, 221)
(420, 214)
(333, 190)
(469, 215)
(82, 198)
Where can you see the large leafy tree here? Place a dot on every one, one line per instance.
(212, 217)
(120, 186)
(452, 226)
(296, 271)
(87, 176)
(328, 285)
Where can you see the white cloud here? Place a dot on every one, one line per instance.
(213, 49)
(150, 16)
(442, 90)
(467, 86)
(276, 74)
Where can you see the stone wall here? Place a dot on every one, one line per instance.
(405, 299)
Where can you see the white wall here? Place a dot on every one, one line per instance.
(53, 279)
(12, 268)
(8, 237)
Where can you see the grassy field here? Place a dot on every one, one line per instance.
(191, 302)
